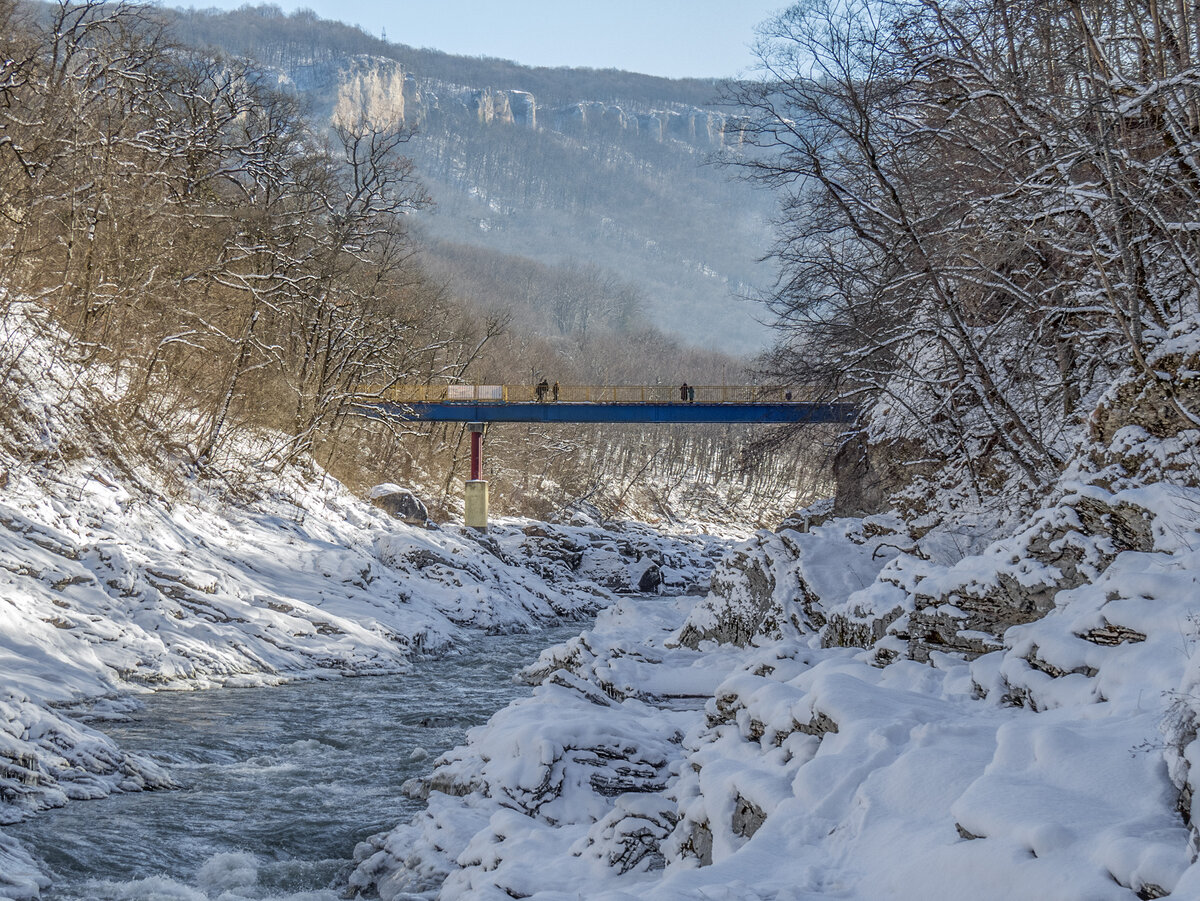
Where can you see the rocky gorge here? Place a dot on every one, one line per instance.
(864, 708)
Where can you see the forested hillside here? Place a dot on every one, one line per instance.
(240, 262)
(992, 217)
(573, 167)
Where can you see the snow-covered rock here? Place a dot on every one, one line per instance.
(859, 712)
(787, 582)
(400, 503)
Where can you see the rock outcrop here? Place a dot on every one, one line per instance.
(869, 475)
(378, 91)
(787, 583)
(1163, 400)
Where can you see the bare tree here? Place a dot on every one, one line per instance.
(985, 211)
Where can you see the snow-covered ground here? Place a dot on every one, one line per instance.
(103, 594)
(857, 709)
(1017, 721)
(112, 585)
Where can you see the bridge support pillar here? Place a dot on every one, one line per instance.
(475, 492)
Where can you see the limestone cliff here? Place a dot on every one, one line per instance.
(381, 91)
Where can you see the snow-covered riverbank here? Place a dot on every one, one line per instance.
(121, 574)
(106, 593)
(859, 713)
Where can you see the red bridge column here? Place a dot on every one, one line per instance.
(476, 451)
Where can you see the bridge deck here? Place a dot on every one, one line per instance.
(678, 412)
(601, 403)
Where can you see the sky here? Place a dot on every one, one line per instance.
(672, 38)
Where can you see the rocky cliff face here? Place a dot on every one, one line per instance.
(379, 94)
(921, 592)
(380, 89)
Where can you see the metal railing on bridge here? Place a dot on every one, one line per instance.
(592, 394)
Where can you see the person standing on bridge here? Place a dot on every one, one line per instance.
(540, 391)
(691, 393)
(683, 392)
(554, 390)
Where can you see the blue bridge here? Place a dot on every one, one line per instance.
(480, 405)
(756, 404)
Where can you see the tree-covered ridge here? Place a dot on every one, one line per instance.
(265, 32)
(557, 165)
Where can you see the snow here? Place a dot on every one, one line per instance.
(384, 489)
(855, 709)
(726, 747)
(865, 783)
(114, 582)
(101, 598)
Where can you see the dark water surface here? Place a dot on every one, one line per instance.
(278, 783)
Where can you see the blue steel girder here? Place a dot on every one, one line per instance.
(471, 411)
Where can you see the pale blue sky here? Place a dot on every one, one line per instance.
(675, 38)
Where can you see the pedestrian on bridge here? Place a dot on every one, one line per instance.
(555, 391)
(540, 391)
(691, 393)
(683, 392)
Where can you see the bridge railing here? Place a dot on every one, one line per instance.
(663, 394)
(593, 394)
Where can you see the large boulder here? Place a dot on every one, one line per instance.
(651, 579)
(400, 503)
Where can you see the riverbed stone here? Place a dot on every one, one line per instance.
(400, 503)
(651, 579)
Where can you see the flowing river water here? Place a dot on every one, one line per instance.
(278, 784)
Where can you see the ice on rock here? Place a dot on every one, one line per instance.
(20, 879)
(47, 759)
(228, 872)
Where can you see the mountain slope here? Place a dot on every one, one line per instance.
(563, 166)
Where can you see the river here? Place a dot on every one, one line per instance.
(278, 783)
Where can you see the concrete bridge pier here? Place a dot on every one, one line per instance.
(475, 492)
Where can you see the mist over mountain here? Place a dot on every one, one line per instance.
(570, 168)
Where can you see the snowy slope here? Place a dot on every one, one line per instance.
(856, 713)
(108, 595)
(113, 581)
